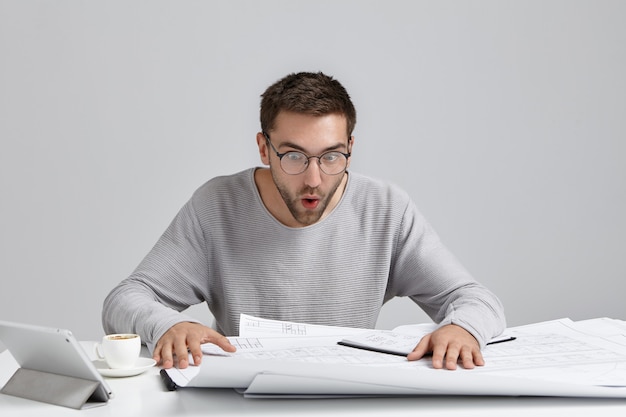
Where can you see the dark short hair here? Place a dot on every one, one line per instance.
(308, 93)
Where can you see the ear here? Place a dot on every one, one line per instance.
(350, 143)
(261, 142)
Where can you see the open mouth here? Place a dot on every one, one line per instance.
(310, 203)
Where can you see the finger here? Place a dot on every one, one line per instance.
(439, 352)
(420, 350)
(182, 354)
(224, 343)
(452, 356)
(156, 355)
(478, 358)
(467, 357)
(195, 349)
(167, 359)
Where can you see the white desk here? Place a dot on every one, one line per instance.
(145, 395)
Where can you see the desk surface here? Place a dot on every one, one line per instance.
(145, 395)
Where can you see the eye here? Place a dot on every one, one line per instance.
(331, 157)
(294, 156)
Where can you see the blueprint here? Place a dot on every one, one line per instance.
(553, 358)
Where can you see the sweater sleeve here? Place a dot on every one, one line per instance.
(427, 272)
(166, 282)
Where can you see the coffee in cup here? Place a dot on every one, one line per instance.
(120, 351)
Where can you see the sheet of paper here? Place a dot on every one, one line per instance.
(260, 337)
(553, 358)
(317, 349)
(611, 329)
(559, 351)
(259, 327)
(550, 358)
(278, 378)
(388, 381)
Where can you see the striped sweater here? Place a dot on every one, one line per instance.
(224, 248)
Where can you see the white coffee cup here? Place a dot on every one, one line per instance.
(120, 351)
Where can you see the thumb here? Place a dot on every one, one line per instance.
(224, 343)
(421, 349)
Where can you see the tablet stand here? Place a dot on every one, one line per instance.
(66, 391)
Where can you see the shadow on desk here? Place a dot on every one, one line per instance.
(228, 402)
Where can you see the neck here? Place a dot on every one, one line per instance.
(274, 203)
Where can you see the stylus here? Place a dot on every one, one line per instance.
(167, 381)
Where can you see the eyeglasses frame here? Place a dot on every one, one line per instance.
(306, 166)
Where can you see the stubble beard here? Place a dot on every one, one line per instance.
(293, 202)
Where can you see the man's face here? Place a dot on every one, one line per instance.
(307, 195)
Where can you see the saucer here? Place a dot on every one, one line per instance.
(141, 366)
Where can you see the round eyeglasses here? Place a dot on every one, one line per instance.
(294, 162)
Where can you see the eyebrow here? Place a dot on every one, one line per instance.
(301, 149)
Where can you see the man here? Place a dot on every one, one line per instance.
(303, 240)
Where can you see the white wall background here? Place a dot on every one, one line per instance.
(505, 120)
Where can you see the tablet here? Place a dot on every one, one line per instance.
(53, 351)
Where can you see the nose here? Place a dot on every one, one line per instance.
(313, 174)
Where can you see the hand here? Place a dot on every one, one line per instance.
(186, 337)
(452, 342)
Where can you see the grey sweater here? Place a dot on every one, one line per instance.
(224, 248)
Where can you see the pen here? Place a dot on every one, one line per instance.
(372, 349)
(397, 353)
(508, 339)
(167, 381)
